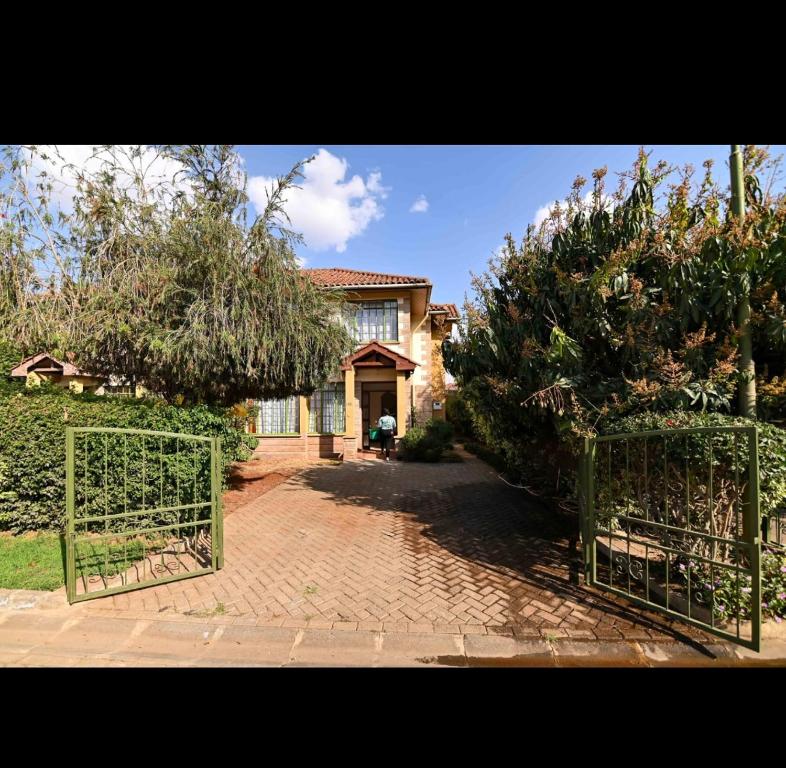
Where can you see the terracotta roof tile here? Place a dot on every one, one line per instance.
(402, 362)
(451, 309)
(29, 362)
(336, 277)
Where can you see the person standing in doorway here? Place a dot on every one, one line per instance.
(387, 428)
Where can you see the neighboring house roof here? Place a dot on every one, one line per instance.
(45, 363)
(444, 309)
(337, 277)
(363, 358)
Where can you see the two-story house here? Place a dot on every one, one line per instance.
(397, 365)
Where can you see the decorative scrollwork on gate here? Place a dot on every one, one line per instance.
(631, 567)
(686, 506)
(142, 507)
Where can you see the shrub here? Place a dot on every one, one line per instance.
(10, 356)
(418, 445)
(692, 450)
(489, 456)
(771, 404)
(428, 442)
(731, 597)
(441, 430)
(32, 444)
(772, 446)
(458, 414)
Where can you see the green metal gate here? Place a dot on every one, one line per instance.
(142, 508)
(670, 521)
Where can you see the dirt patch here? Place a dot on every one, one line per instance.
(250, 479)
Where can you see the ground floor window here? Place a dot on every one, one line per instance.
(327, 413)
(119, 390)
(278, 417)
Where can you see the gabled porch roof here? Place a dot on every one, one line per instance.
(43, 362)
(376, 355)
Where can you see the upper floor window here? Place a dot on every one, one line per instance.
(375, 320)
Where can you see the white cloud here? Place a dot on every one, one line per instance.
(327, 209)
(545, 211)
(63, 162)
(420, 205)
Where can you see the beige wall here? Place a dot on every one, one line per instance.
(439, 330)
(76, 384)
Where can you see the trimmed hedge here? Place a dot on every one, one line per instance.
(32, 444)
(486, 454)
(427, 443)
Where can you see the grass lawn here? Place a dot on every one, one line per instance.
(31, 561)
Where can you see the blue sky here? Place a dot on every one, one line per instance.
(355, 208)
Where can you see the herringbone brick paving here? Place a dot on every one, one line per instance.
(397, 546)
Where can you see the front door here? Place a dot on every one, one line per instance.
(375, 397)
(364, 407)
(388, 401)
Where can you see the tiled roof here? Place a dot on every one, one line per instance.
(402, 363)
(336, 277)
(451, 309)
(30, 362)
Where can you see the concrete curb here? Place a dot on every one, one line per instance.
(25, 599)
(65, 639)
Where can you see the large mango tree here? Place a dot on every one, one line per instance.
(626, 302)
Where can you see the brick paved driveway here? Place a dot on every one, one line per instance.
(397, 546)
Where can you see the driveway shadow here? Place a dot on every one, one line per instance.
(467, 511)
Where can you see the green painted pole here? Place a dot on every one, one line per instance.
(753, 517)
(219, 506)
(70, 512)
(747, 387)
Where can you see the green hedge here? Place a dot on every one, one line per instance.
(32, 445)
(772, 446)
(487, 455)
(10, 357)
(427, 443)
(458, 413)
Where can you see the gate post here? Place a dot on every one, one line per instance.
(752, 521)
(214, 534)
(219, 506)
(585, 506)
(69, 532)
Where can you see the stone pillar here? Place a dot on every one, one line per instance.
(401, 403)
(303, 406)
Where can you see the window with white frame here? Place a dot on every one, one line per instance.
(326, 411)
(278, 417)
(374, 320)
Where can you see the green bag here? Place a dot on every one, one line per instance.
(373, 434)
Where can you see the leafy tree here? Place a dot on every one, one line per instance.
(624, 303)
(154, 272)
